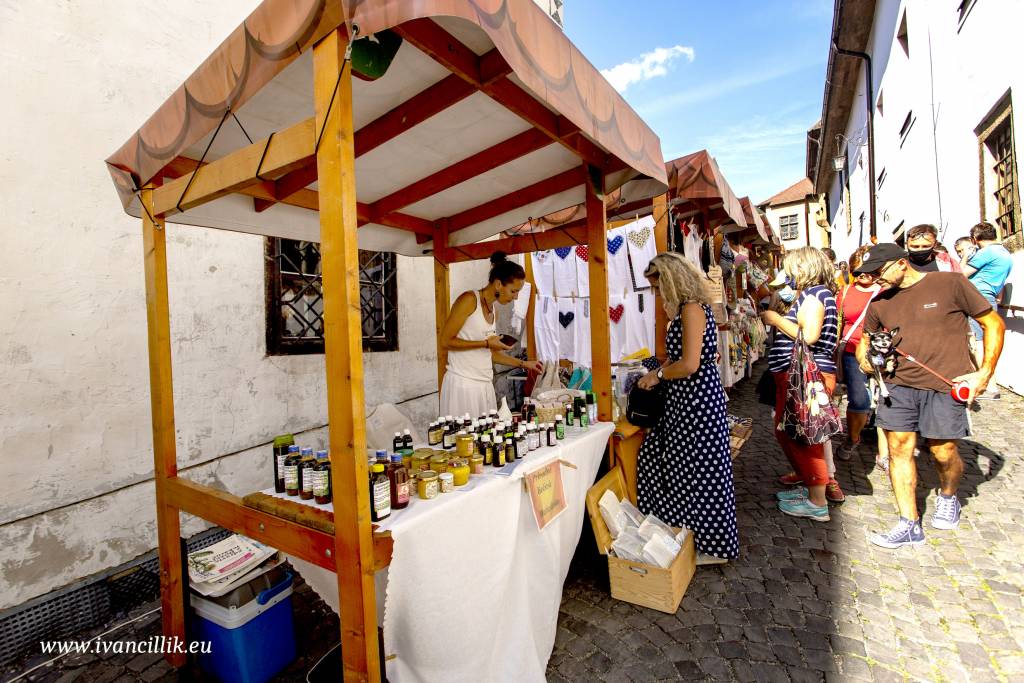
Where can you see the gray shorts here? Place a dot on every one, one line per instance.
(933, 414)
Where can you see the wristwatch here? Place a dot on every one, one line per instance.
(661, 373)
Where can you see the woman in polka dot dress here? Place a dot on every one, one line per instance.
(684, 471)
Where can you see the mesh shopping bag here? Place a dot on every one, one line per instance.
(808, 415)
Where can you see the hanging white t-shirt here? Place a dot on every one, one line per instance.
(546, 328)
(618, 321)
(642, 248)
(619, 281)
(640, 327)
(544, 271)
(564, 263)
(582, 254)
(567, 328)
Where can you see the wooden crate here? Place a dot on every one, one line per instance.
(641, 584)
(739, 435)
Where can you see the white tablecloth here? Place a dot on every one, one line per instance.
(473, 590)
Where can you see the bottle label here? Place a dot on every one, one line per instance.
(291, 477)
(403, 492)
(584, 420)
(280, 465)
(307, 479)
(382, 498)
(560, 431)
(320, 479)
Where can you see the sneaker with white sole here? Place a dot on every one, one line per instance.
(798, 493)
(703, 560)
(804, 508)
(906, 532)
(947, 512)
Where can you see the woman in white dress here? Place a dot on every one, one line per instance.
(472, 344)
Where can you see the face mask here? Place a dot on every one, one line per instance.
(787, 294)
(921, 256)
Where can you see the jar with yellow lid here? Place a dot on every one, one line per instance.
(427, 484)
(476, 464)
(459, 469)
(465, 445)
(439, 463)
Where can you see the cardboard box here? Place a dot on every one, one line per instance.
(641, 584)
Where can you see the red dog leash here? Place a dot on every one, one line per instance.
(914, 360)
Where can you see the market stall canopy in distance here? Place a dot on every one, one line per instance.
(476, 115)
(696, 186)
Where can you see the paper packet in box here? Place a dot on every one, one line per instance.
(652, 525)
(611, 510)
(636, 518)
(660, 551)
(629, 546)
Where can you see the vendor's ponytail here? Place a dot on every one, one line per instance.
(503, 270)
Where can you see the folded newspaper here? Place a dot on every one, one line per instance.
(213, 568)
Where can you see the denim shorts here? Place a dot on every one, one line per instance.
(857, 396)
(975, 327)
(933, 414)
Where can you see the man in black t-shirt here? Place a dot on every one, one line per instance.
(930, 311)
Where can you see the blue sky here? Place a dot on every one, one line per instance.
(742, 79)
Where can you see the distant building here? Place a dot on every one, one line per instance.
(555, 8)
(797, 216)
(917, 126)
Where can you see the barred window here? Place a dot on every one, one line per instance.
(999, 172)
(295, 305)
(788, 227)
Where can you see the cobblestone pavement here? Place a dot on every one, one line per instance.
(804, 602)
(808, 601)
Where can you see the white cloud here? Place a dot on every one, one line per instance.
(647, 66)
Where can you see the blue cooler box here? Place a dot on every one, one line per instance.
(250, 643)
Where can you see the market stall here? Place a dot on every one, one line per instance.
(463, 121)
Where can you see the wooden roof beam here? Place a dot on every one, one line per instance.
(489, 74)
(566, 236)
(561, 182)
(502, 153)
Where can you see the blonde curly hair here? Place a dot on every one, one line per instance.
(809, 266)
(678, 280)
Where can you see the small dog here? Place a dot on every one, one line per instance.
(882, 356)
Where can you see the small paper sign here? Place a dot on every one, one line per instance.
(547, 494)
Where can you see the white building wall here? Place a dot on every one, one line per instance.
(950, 77)
(805, 214)
(76, 493)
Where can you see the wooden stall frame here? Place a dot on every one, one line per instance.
(280, 169)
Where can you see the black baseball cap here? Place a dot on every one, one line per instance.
(879, 255)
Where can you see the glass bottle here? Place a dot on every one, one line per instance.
(559, 427)
(380, 494)
(322, 479)
(291, 471)
(552, 435)
(449, 436)
(396, 443)
(398, 481)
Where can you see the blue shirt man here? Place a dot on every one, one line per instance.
(987, 266)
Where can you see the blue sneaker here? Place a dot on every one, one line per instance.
(804, 508)
(798, 493)
(906, 532)
(947, 512)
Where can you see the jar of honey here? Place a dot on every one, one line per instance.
(459, 469)
(427, 485)
(464, 445)
(476, 464)
(421, 459)
(447, 482)
(439, 463)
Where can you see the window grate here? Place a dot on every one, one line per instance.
(1005, 193)
(295, 304)
(788, 227)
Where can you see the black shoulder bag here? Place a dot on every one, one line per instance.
(644, 407)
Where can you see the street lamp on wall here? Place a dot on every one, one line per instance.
(838, 163)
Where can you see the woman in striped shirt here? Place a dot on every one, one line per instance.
(814, 313)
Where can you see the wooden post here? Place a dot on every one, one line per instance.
(660, 208)
(600, 326)
(161, 397)
(353, 548)
(442, 296)
(531, 333)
